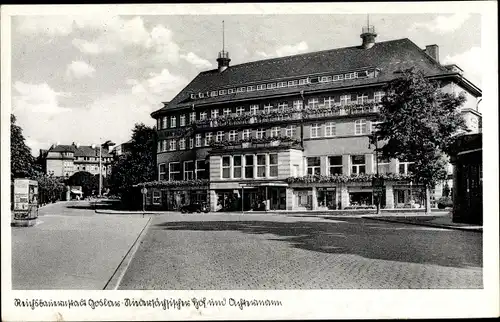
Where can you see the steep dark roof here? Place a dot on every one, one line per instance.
(81, 151)
(388, 57)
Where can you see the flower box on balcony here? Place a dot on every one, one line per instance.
(245, 145)
(274, 143)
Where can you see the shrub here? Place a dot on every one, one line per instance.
(445, 202)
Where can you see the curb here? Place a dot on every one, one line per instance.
(477, 230)
(115, 280)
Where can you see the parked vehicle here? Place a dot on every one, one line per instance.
(195, 207)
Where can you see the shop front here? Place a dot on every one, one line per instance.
(251, 197)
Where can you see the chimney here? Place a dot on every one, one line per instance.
(368, 35)
(433, 51)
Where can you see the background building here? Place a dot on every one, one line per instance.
(293, 132)
(64, 160)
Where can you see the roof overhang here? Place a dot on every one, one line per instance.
(462, 81)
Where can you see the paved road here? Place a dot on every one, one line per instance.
(71, 247)
(213, 251)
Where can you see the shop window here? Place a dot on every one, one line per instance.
(156, 197)
(313, 166)
(174, 171)
(273, 165)
(261, 165)
(237, 166)
(188, 170)
(358, 164)
(335, 165)
(249, 166)
(226, 167)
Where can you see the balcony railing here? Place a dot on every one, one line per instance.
(283, 142)
(290, 114)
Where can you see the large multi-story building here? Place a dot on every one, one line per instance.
(65, 160)
(292, 132)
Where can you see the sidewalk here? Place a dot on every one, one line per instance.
(440, 220)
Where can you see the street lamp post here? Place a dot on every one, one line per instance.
(377, 177)
(106, 144)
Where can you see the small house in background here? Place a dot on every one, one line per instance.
(468, 179)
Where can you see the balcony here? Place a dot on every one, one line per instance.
(274, 143)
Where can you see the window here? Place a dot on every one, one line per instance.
(183, 120)
(222, 92)
(158, 149)
(281, 84)
(313, 103)
(261, 87)
(227, 111)
(273, 165)
(240, 110)
(303, 81)
(200, 169)
(358, 164)
(406, 167)
(291, 130)
(230, 91)
(377, 96)
(191, 143)
(213, 93)
(330, 129)
(383, 164)
(345, 99)
(337, 77)
(254, 109)
(335, 165)
(237, 166)
(282, 106)
(193, 96)
(315, 129)
(220, 136)
(260, 134)
(360, 127)
(297, 104)
(329, 101)
(203, 115)
(192, 117)
(271, 85)
(268, 108)
(158, 125)
(249, 166)
(250, 88)
(313, 166)
(188, 170)
(233, 134)
(215, 114)
(174, 171)
(198, 140)
(362, 98)
(201, 95)
(275, 132)
(261, 165)
(208, 138)
(182, 144)
(350, 75)
(156, 197)
(362, 74)
(172, 145)
(164, 125)
(245, 135)
(292, 83)
(226, 167)
(164, 145)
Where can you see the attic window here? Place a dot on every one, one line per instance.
(303, 81)
(337, 77)
(292, 83)
(271, 85)
(201, 95)
(281, 84)
(193, 96)
(261, 87)
(325, 79)
(241, 90)
(222, 92)
(314, 80)
(230, 91)
(362, 74)
(213, 93)
(350, 75)
(250, 88)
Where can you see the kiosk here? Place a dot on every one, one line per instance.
(25, 202)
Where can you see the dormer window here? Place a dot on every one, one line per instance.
(230, 91)
(281, 84)
(222, 92)
(292, 83)
(362, 74)
(325, 79)
(213, 93)
(241, 90)
(250, 88)
(350, 75)
(201, 95)
(261, 87)
(193, 96)
(337, 77)
(303, 81)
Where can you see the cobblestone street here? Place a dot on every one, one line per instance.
(215, 251)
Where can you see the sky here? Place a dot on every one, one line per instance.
(90, 78)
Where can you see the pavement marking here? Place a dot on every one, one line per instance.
(116, 279)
